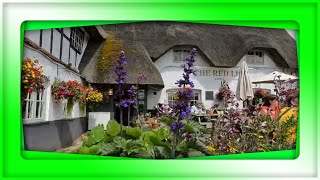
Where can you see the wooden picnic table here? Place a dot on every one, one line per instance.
(210, 119)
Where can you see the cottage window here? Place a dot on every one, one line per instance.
(141, 101)
(77, 38)
(255, 58)
(209, 95)
(180, 54)
(172, 92)
(34, 106)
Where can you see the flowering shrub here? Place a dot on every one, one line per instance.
(32, 76)
(260, 93)
(253, 134)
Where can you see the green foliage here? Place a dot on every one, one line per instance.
(185, 147)
(193, 127)
(166, 120)
(95, 136)
(89, 150)
(82, 107)
(122, 147)
(113, 128)
(156, 137)
(69, 107)
(133, 133)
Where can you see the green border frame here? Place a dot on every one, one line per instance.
(300, 16)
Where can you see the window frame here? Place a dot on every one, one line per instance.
(173, 91)
(180, 54)
(77, 39)
(253, 57)
(32, 99)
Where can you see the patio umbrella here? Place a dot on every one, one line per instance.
(276, 75)
(244, 88)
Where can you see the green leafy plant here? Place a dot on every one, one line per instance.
(95, 136)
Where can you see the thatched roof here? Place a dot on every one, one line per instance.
(223, 45)
(138, 61)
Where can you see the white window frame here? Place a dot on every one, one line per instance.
(38, 104)
(180, 54)
(255, 57)
(196, 92)
(77, 39)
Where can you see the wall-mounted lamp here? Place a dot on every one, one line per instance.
(110, 92)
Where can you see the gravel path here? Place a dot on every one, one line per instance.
(75, 145)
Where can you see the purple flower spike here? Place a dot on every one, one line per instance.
(121, 75)
(177, 125)
(185, 93)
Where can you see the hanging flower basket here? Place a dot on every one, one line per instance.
(223, 92)
(73, 91)
(93, 98)
(33, 78)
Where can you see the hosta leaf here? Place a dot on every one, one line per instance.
(134, 132)
(96, 135)
(199, 146)
(113, 128)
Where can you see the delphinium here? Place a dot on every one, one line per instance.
(185, 93)
(183, 97)
(119, 93)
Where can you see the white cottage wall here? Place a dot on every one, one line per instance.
(46, 38)
(54, 70)
(33, 35)
(55, 111)
(208, 78)
(68, 55)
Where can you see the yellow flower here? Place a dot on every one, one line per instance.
(232, 149)
(211, 148)
(260, 149)
(293, 111)
(292, 138)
